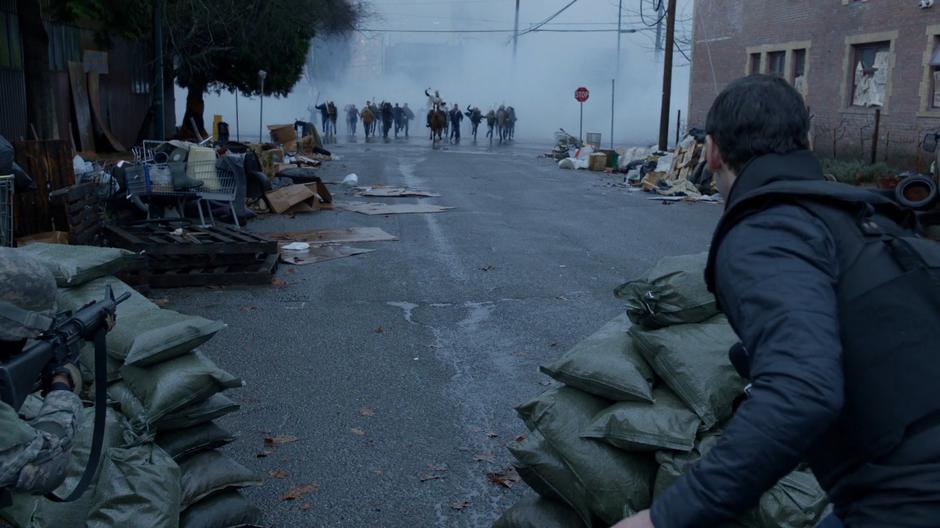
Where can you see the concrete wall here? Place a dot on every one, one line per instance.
(727, 32)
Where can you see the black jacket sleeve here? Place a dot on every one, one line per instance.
(776, 279)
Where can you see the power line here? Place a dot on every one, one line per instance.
(549, 19)
(549, 30)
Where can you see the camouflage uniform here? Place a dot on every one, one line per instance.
(34, 454)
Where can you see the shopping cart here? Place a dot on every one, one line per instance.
(155, 181)
(218, 185)
(6, 210)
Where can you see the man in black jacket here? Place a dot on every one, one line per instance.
(777, 270)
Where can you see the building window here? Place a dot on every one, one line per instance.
(798, 70)
(870, 74)
(935, 75)
(754, 64)
(776, 63)
(11, 47)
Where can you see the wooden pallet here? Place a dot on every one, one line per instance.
(157, 239)
(255, 271)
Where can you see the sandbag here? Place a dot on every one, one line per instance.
(208, 472)
(692, 360)
(86, 360)
(184, 442)
(606, 364)
(216, 406)
(154, 336)
(546, 473)
(222, 510)
(672, 292)
(76, 265)
(36, 511)
(74, 298)
(175, 384)
(537, 512)
(640, 426)
(139, 486)
(673, 464)
(613, 479)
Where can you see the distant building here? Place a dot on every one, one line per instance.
(847, 57)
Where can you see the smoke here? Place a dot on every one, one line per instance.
(479, 68)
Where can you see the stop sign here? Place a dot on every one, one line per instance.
(582, 94)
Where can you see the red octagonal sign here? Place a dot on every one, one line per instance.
(582, 94)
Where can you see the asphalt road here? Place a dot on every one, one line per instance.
(406, 363)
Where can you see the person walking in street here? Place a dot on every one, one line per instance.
(324, 118)
(834, 299)
(409, 115)
(456, 116)
(352, 118)
(398, 116)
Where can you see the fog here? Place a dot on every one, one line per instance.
(376, 63)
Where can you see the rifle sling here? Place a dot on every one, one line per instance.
(101, 401)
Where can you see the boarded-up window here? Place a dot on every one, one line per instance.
(799, 70)
(870, 74)
(776, 63)
(754, 64)
(935, 74)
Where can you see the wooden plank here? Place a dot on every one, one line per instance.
(49, 163)
(86, 133)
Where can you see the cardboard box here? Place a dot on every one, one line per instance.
(597, 161)
(283, 199)
(282, 134)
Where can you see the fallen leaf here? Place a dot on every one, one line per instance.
(249, 308)
(300, 491)
(307, 506)
(379, 330)
(553, 344)
(437, 468)
(365, 411)
(431, 477)
(161, 302)
(264, 454)
(520, 438)
(278, 283)
(291, 270)
(279, 474)
(459, 505)
(487, 268)
(491, 434)
(486, 456)
(357, 431)
(504, 478)
(272, 441)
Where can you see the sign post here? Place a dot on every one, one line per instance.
(581, 95)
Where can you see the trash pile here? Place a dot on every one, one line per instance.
(160, 464)
(636, 404)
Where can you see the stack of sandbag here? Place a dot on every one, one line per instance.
(168, 393)
(637, 403)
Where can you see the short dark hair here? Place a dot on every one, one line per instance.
(757, 115)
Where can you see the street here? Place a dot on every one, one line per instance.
(397, 371)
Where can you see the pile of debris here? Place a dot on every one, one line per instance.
(160, 464)
(637, 403)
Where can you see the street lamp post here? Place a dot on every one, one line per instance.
(261, 76)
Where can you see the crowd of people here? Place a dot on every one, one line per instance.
(395, 119)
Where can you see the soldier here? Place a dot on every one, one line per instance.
(34, 455)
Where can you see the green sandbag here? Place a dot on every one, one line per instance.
(672, 292)
(546, 473)
(74, 298)
(537, 512)
(185, 442)
(139, 486)
(76, 265)
(693, 361)
(606, 364)
(36, 511)
(222, 510)
(174, 384)
(208, 472)
(640, 426)
(216, 406)
(614, 479)
(153, 336)
(673, 464)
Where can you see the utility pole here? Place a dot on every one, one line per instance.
(659, 26)
(515, 36)
(619, 33)
(159, 110)
(667, 76)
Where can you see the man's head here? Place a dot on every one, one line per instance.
(27, 299)
(752, 117)
(406, 105)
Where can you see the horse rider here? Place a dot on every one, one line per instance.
(475, 115)
(409, 115)
(456, 116)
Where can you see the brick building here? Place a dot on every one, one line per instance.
(848, 57)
